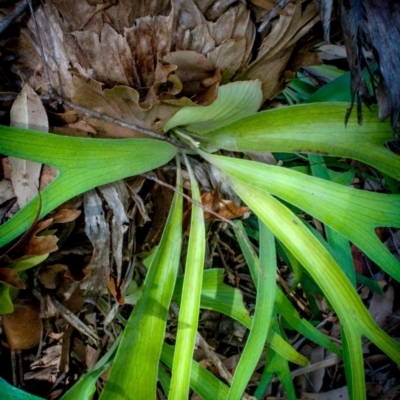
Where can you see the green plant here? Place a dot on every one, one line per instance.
(231, 124)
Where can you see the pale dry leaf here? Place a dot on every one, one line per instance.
(116, 195)
(98, 232)
(27, 112)
(381, 307)
(109, 55)
(6, 191)
(61, 51)
(317, 377)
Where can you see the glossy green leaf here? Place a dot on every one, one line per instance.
(190, 300)
(312, 128)
(235, 100)
(82, 164)
(135, 368)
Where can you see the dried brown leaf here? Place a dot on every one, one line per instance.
(278, 46)
(23, 327)
(51, 276)
(109, 56)
(225, 208)
(11, 277)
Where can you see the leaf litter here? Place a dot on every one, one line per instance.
(141, 64)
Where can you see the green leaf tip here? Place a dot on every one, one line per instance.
(235, 100)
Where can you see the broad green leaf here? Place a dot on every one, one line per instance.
(9, 392)
(266, 284)
(190, 300)
(288, 228)
(135, 368)
(82, 163)
(312, 128)
(235, 100)
(202, 381)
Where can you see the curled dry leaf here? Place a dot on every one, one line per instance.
(23, 327)
(225, 208)
(37, 245)
(10, 276)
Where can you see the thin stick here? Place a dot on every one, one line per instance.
(13, 15)
(92, 113)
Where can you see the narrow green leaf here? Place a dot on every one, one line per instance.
(312, 128)
(82, 163)
(235, 100)
(134, 371)
(263, 312)
(217, 296)
(283, 306)
(86, 386)
(190, 303)
(353, 362)
(202, 381)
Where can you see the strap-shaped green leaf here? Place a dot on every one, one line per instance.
(190, 304)
(134, 371)
(263, 314)
(82, 163)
